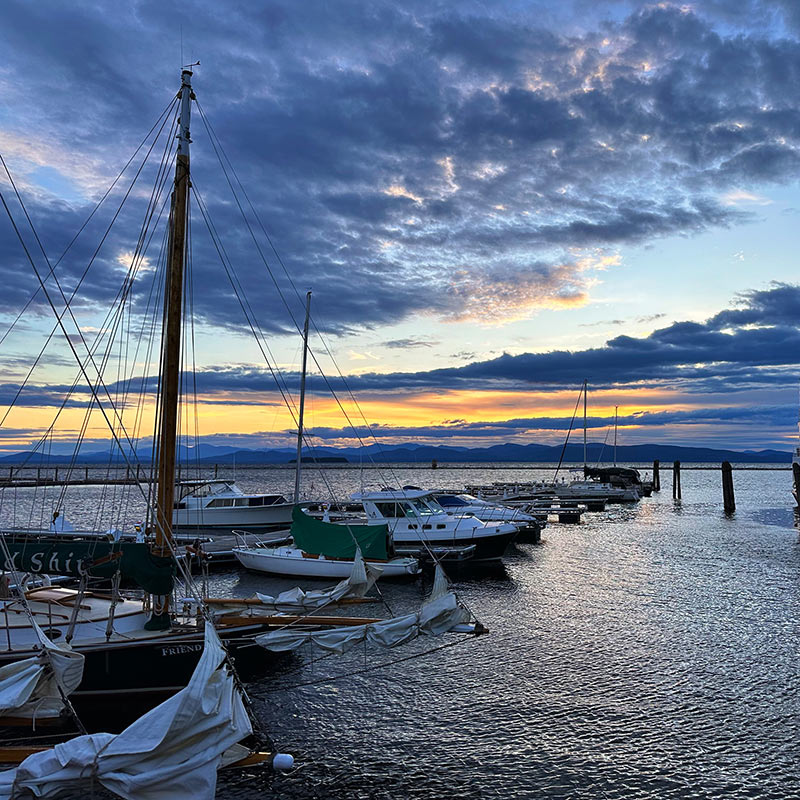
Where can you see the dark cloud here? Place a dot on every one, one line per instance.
(405, 344)
(405, 156)
(753, 346)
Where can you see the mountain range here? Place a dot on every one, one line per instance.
(417, 453)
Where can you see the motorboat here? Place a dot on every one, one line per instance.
(460, 504)
(414, 517)
(220, 504)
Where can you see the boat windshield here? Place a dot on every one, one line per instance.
(450, 501)
(415, 507)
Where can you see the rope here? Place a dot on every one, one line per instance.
(362, 671)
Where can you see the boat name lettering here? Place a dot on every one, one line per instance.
(37, 563)
(180, 649)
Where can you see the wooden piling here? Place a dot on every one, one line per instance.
(676, 480)
(656, 477)
(728, 499)
(796, 475)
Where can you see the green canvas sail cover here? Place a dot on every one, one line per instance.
(338, 541)
(54, 556)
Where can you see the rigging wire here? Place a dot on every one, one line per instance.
(219, 151)
(51, 272)
(566, 440)
(93, 212)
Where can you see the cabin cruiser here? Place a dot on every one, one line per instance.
(219, 503)
(458, 504)
(625, 477)
(414, 517)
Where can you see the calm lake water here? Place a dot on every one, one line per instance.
(650, 652)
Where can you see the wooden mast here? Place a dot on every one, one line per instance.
(171, 329)
(302, 402)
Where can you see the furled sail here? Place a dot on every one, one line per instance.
(442, 612)
(360, 581)
(172, 751)
(30, 688)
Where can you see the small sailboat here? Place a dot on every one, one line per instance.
(327, 550)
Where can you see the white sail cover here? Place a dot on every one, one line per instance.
(439, 614)
(362, 577)
(29, 688)
(172, 751)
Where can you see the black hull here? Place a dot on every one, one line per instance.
(487, 548)
(124, 680)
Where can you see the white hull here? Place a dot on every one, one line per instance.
(244, 517)
(291, 561)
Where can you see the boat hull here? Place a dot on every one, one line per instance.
(489, 547)
(131, 677)
(247, 518)
(283, 561)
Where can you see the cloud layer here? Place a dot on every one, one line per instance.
(449, 160)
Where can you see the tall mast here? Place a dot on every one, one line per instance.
(616, 410)
(171, 327)
(584, 427)
(302, 402)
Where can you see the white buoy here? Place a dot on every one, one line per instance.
(283, 761)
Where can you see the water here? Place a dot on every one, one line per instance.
(651, 651)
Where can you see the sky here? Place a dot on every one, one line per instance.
(490, 202)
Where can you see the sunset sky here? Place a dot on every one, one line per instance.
(491, 202)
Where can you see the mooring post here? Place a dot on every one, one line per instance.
(796, 474)
(86, 474)
(56, 478)
(676, 480)
(728, 500)
(656, 477)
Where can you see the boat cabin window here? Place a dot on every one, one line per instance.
(388, 510)
(221, 502)
(240, 501)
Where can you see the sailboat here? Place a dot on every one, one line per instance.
(122, 636)
(146, 645)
